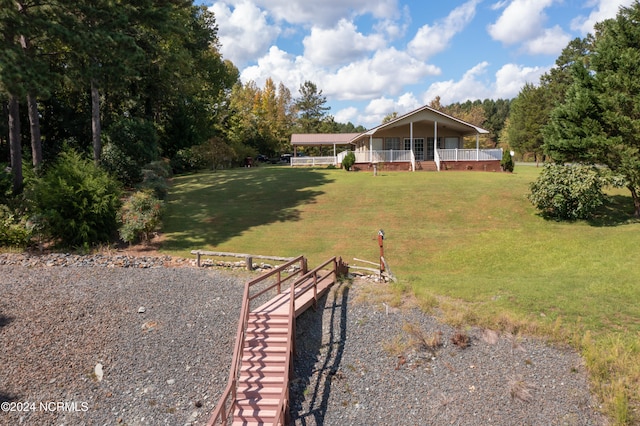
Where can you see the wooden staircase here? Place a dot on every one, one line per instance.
(258, 389)
(263, 369)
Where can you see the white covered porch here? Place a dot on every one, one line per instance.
(424, 139)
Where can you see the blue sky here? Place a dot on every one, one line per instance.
(371, 58)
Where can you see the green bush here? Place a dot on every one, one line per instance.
(507, 161)
(137, 138)
(76, 200)
(567, 192)
(156, 184)
(6, 183)
(349, 160)
(187, 160)
(120, 165)
(161, 167)
(139, 216)
(14, 231)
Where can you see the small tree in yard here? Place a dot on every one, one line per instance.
(567, 192)
(140, 216)
(349, 160)
(507, 161)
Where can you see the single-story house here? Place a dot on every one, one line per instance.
(424, 139)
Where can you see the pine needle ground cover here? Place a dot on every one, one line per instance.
(469, 240)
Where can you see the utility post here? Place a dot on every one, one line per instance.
(380, 243)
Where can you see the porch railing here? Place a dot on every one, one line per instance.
(313, 161)
(389, 156)
(469, 154)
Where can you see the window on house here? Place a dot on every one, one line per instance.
(391, 143)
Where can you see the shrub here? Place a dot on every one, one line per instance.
(120, 165)
(6, 183)
(139, 215)
(137, 138)
(156, 184)
(14, 231)
(187, 160)
(161, 167)
(77, 201)
(567, 192)
(216, 153)
(349, 160)
(507, 161)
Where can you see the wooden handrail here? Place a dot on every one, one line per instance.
(284, 395)
(220, 412)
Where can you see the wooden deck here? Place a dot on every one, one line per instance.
(305, 297)
(258, 389)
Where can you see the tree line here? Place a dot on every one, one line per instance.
(129, 84)
(134, 82)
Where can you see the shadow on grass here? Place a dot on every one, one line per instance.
(616, 210)
(210, 208)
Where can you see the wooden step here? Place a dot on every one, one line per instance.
(264, 370)
(267, 317)
(267, 330)
(251, 414)
(248, 423)
(264, 350)
(266, 381)
(261, 359)
(250, 404)
(261, 314)
(253, 391)
(257, 341)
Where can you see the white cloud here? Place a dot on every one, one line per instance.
(605, 9)
(471, 86)
(377, 75)
(499, 5)
(395, 28)
(346, 115)
(509, 80)
(430, 40)
(550, 42)
(327, 12)
(377, 109)
(240, 42)
(521, 20)
(512, 77)
(283, 67)
(358, 80)
(339, 45)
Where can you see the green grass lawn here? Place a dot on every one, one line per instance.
(468, 237)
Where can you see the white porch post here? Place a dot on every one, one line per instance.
(413, 166)
(477, 146)
(370, 148)
(335, 156)
(435, 138)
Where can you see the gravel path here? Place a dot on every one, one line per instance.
(164, 335)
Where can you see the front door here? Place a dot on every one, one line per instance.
(418, 148)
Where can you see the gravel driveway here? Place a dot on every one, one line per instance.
(163, 337)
